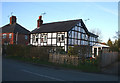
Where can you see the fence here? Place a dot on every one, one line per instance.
(108, 58)
(63, 59)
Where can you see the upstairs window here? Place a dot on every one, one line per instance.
(4, 36)
(10, 35)
(33, 37)
(45, 38)
(60, 37)
(26, 37)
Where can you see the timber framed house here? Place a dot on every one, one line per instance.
(62, 34)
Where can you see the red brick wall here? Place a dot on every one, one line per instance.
(21, 39)
(7, 39)
(12, 40)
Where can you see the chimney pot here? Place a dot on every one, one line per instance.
(13, 19)
(39, 22)
(40, 17)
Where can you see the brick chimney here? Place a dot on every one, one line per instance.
(39, 22)
(13, 19)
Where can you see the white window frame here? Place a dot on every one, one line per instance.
(4, 36)
(10, 35)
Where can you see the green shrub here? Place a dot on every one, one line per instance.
(39, 53)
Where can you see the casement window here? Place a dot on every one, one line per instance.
(82, 36)
(10, 35)
(45, 38)
(76, 28)
(26, 37)
(33, 38)
(79, 29)
(36, 38)
(60, 37)
(4, 36)
(78, 42)
(73, 34)
(78, 35)
(41, 40)
(70, 41)
(79, 24)
(70, 34)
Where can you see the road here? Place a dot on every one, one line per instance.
(13, 70)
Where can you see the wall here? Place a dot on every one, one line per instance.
(51, 39)
(7, 39)
(12, 40)
(63, 59)
(108, 58)
(21, 39)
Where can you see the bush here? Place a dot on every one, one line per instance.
(39, 53)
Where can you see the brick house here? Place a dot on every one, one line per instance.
(14, 33)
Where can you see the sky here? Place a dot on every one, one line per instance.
(103, 15)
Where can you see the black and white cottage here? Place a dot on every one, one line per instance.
(62, 34)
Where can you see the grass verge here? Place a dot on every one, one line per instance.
(81, 67)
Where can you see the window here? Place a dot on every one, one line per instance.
(62, 38)
(78, 35)
(72, 41)
(33, 37)
(45, 38)
(79, 29)
(69, 41)
(75, 34)
(72, 34)
(36, 39)
(58, 38)
(26, 37)
(73, 28)
(4, 36)
(10, 35)
(76, 28)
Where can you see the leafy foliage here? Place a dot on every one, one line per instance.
(41, 53)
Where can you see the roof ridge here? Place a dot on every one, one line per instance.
(62, 21)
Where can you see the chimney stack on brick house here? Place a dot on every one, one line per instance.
(39, 22)
(13, 19)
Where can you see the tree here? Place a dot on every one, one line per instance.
(117, 41)
(97, 31)
(109, 42)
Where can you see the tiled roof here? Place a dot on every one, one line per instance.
(56, 26)
(60, 27)
(14, 28)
